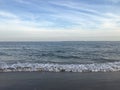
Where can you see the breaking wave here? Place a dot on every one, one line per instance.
(50, 67)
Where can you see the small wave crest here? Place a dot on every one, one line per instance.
(50, 67)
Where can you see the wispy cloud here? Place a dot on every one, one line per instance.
(114, 1)
(60, 20)
(7, 15)
(23, 1)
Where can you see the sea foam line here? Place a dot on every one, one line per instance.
(50, 67)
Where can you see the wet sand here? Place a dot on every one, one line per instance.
(59, 81)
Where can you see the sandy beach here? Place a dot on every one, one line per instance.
(59, 81)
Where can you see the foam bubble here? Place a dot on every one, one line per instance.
(50, 67)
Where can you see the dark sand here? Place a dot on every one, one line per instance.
(59, 81)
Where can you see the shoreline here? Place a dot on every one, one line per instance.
(59, 81)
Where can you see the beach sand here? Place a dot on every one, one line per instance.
(59, 81)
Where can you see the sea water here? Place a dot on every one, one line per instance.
(67, 56)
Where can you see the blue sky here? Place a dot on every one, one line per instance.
(59, 20)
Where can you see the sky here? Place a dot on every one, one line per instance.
(59, 20)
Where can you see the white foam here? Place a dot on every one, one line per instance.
(49, 67)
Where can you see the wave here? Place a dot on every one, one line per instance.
(50, 67)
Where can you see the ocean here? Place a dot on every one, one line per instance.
(66, 56)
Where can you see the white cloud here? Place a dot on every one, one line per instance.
(111, 22)
(20, 32)
(114, 1)
(11, 18)
(7, 14)
(14, 27)
(23, 1)
(75, 5)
